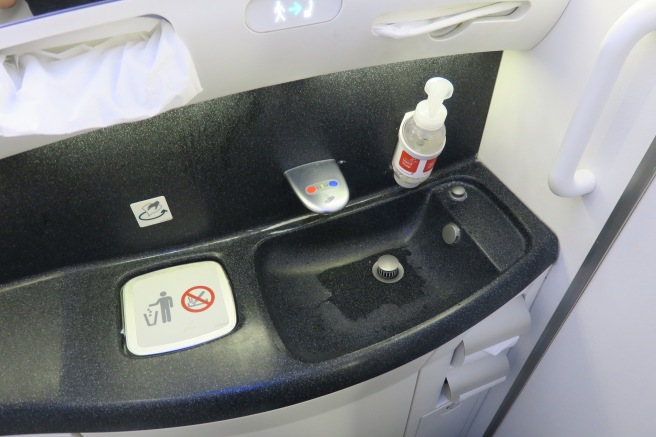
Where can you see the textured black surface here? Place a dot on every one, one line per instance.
(220, 163)
(64, 367)
(356, 293)
(321, 294)
(70, 242)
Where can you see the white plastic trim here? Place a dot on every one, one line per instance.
(639, 20)
(422, 27)
(248, 60)
(83, 35)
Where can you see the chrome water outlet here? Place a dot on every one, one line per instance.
(458, 193)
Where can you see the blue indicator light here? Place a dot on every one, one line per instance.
(333, 183)
(295, 8)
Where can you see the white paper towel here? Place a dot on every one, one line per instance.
(495, 333)
(123, 78)
(465, 381)
(493, 350)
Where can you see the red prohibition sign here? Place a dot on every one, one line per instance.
(195, 299)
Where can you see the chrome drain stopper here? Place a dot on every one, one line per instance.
(387, 269)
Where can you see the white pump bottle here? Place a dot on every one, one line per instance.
(422, 136)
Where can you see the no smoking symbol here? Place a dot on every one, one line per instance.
(197, 299)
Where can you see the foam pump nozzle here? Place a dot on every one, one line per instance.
(431, 113)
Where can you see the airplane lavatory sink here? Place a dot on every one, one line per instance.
(311, 316)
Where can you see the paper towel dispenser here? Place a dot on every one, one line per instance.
(94, 77)
(439, 23)
(231, 58)
(495, 333)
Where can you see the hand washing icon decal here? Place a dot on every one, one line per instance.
(152, 211)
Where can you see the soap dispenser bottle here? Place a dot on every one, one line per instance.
(422, 136)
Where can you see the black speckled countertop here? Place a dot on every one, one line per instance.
(70, 242)
(67, 368)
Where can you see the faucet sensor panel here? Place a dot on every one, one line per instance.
(320, 186)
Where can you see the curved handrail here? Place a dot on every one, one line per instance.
(639, 20)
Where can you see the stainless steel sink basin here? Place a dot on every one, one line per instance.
(318, 286)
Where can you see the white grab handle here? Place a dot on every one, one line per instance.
(639, 20)
(421, 27)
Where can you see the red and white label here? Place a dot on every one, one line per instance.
(408, 162)
(411, 166)
(428, 167)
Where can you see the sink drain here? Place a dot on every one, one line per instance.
(387, 269)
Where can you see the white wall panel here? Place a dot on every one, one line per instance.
(535, 96)
(597, 376)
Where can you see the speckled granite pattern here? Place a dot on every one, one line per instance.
(325, 301)
(70, 242)
(220, 163)
(65, 367)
